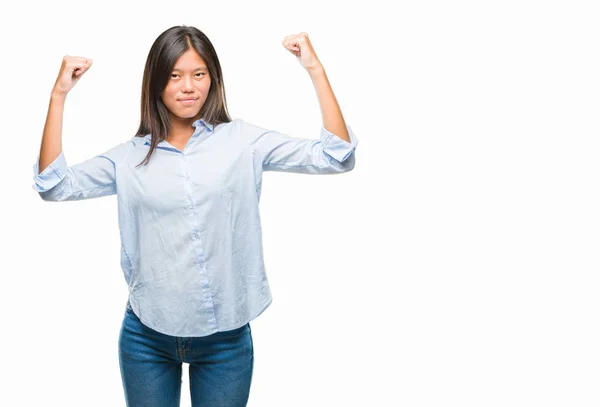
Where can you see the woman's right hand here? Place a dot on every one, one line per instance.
(71, 70)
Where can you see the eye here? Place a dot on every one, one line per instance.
(174, 75)
(201, 73)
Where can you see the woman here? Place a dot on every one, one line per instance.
(188, 186)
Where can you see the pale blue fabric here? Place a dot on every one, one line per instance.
(191, 241)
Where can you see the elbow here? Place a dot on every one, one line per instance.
(337, 165)
(42, 192)
(348, 164)
(54, 191)
(351, 162)
(53, 194)
(47, 196)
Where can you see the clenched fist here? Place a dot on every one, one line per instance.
(71, 70)
(301, 47)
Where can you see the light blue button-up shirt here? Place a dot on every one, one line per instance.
(191, 241)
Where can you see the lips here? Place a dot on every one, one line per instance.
(187, 101)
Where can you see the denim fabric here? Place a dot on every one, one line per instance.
(220, 366)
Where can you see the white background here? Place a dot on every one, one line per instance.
(456, 265)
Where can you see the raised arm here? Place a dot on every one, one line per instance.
(332, 152)
(71, 70)
(53, 179)
(301, 47)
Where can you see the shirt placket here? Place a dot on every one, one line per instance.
(196, 238)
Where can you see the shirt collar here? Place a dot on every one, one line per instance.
(198, 124)
(202, 122)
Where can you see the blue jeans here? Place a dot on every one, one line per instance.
(220, 366)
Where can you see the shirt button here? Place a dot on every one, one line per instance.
(191, 207)
(196, 236)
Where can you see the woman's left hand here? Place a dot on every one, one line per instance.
(300, 46)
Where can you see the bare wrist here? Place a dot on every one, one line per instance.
(57, 94)
(316, 71)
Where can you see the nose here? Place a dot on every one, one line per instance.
(186, 85)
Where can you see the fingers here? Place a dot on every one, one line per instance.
(86, 65)
(299, 45)
(295, 42)
(77, 65)
(71, 62)
(80, 70)
(71, 70)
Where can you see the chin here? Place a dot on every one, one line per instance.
(187, 115)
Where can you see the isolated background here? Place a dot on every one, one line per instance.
(456, 265)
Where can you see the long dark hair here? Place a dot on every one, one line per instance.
(165, 52)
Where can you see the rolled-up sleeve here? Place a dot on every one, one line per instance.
(280, 152)
(92, 178)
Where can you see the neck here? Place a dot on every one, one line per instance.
(181, 128)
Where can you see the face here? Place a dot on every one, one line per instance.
(187, 88)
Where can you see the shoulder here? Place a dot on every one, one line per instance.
(244, 129)
(119, 153)
(136, 141)
(232, 126)
(239, 131)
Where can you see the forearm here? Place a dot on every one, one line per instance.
(333, 120)
(52, 138)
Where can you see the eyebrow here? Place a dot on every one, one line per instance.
(200, 68)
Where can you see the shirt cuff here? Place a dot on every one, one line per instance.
(336, 147)
(52, 174)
